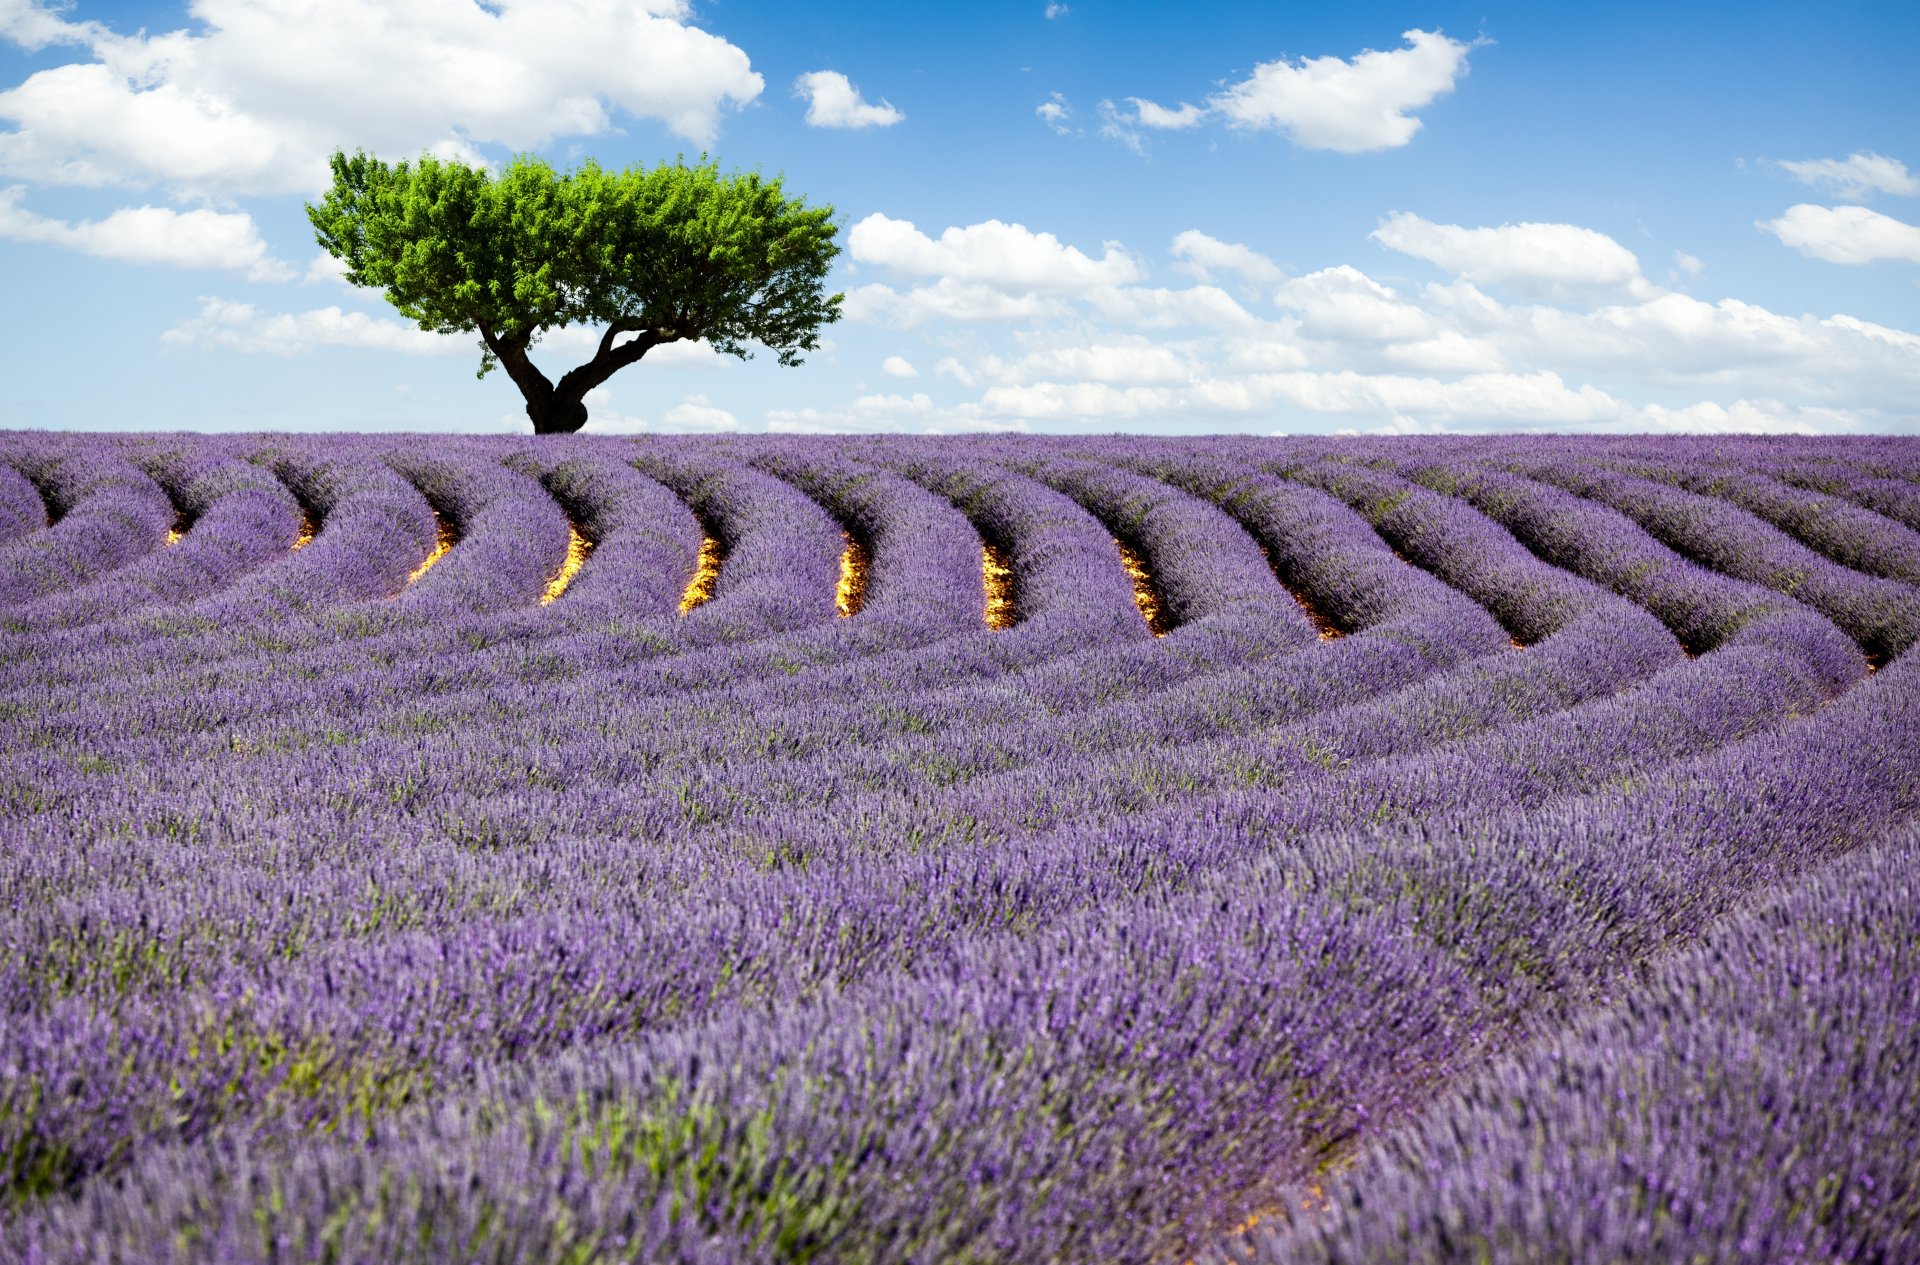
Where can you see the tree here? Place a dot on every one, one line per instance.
(654, 255)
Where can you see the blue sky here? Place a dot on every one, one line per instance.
(1072, 217)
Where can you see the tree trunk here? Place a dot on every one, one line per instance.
(553, 415)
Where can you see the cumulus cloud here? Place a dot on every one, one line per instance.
(254, 99)
(1201, 257)
(1581, 340)
(833, 101)
(898, 367)
(1004, 256)
(1344, 304)
(1846, 234)
(152, 235)
(1147, 114)
(697, 412)
(1351, 107)
(1857, 176)
(945, 300)
(229, 326)
(1545, 259)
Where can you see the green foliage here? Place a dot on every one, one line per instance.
(655, 255)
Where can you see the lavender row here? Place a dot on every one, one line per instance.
(1755, 1101)
(428, 1035)
(108, 512)
(1171, 1056)
(1883, 616)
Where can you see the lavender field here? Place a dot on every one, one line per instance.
(887, 849)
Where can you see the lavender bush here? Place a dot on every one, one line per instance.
(650, 849)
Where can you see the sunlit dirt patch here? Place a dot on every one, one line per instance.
(308, 529)
(579, 549)
(182, 521)
(1153, 608)
(996, 576)
(851, 593)
(705, 575)
(446, 538)
(1313, 1199)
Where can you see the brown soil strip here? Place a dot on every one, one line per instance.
(1146, 595)
(855, 561)
(996, 576)
(181, 522)
(445, 538)
(705, 575)
(579, 548)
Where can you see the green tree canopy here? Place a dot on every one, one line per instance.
(655, 255)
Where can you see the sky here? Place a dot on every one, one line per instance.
(1078, 216)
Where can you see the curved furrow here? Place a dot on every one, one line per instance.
(579, 550)
(1839, 530)
(105, 512)
(375, 522)
(850, 591)
(996, 583)
(1707, 611)
(706, 572)
(500, 536)
(1193, 567)
(781, 552)
(1881, 615)
(916, 546)
(1893, 499)
(640, 537)
(242, 519)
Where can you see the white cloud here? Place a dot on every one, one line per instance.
(1856, 176)
(1005, 256)
(1201, 256)
(325, 267)
(229, 326)
(1546, 259)
(1055, 10)
(255, 98)
(945, 300)
(1607, 350)
(1348, 106)
(697, 412)
(898, 367)
(1147, 114)
(1692, 265)
(1750, 417)
(1055, 112)
(1846, 234)
(1149, 307)
(34, 26)
(152, 235)
(833, 101)
(1344, 304)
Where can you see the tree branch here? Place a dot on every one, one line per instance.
(604, 365)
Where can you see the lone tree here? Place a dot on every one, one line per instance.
(654, 255)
